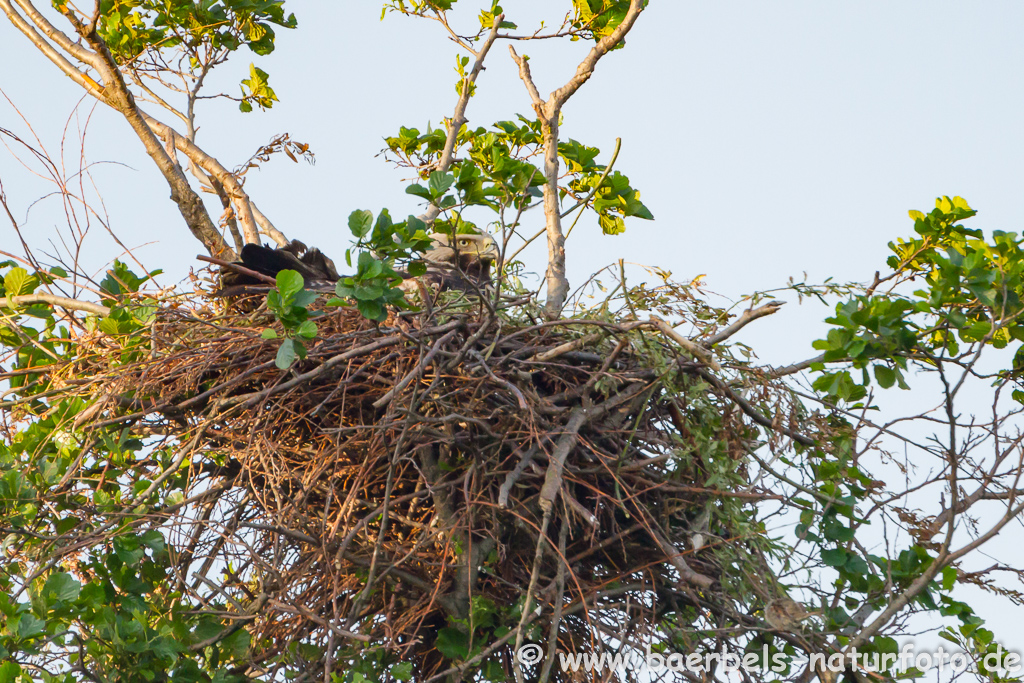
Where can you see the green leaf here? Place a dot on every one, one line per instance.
(452, 643)
(307, 330)
(369, 268)
(487, 19)
(61, 587)
(837, 532)
(856, 565)
(16, 282)
(108, 326)
(369, 292)
(611, 224)
(286, 354)
(401, 671)
(836, 557)
(30, 626)
(360, 223)
(885, 376)
(414, 226)
(439, 183)
(304, 298)
(274, 301)
(371, 310)
(237, 644)
(289, 283)
(945, 635)
(269, 334)
(885, 644)
(948, 578)
(260, 91)
(9, 672)
(384, 227)
(153, 540)
(419, 191)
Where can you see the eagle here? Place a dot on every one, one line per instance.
(461, 263)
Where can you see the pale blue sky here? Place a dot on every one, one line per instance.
(768, 139)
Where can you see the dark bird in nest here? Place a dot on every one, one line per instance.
(316, 269)
(461, 263)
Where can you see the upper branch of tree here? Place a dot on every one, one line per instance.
(459, 116)
(114, 92)
(548, 112)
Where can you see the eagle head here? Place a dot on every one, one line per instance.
(473, 254)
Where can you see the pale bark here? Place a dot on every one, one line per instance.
(549, 111)
(267, 228)
(239, 199)
(62, 301)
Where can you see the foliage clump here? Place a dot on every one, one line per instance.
(403, 484)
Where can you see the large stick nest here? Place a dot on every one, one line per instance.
(398, 492)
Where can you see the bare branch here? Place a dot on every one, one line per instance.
(58, 36)
(84, 80)
(747, 317)
(115, 93)
(459, 117)
(686, 573)
(698, 352)
(195, 154)
(62, 301)
(796, 367)
(586, 68)
(267, 228)
(524, 73)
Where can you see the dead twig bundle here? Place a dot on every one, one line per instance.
(392, 494)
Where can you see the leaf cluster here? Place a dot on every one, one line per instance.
(109, 608)
(965, 293)
(380, 245)
(498, 171)
(289, 304)
(132, 27)
(596, 19)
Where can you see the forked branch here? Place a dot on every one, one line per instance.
(110, 88)
(548, 111)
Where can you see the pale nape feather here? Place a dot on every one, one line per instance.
(482, 247)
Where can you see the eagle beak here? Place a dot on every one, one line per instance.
(490, 251)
